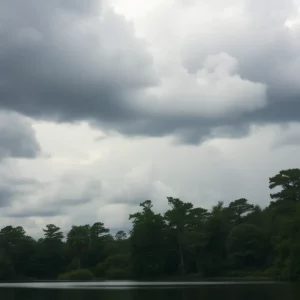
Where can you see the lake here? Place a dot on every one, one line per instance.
(129, 290)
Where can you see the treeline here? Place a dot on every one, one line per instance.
(240, 239)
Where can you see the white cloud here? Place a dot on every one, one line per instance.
(288, 136)
(128, 172)
(216, 90)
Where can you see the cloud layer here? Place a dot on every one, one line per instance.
(17, 137)
(67, 61)
(132, 100)
(217, 67)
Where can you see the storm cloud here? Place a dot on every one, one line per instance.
(13, 188)
(17, 137)
(67, 61)
(62, 61)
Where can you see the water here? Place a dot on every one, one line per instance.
(149, 291)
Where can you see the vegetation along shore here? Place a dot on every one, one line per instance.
(238, 240)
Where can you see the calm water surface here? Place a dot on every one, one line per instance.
(149, 291)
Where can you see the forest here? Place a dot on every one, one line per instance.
(235, 240)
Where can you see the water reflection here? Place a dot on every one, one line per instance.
(203, 292)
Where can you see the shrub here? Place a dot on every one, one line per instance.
(114, 267)
(7, 270)
(117, 261)
(100, 270)
(117, 273)
(82, 274)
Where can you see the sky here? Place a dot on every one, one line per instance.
(107, 103)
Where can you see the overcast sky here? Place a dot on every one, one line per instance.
(107, 103)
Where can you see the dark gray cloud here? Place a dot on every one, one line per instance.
(288, 135)
(38, 212)
(61, 62)
(29, 198)
(6, 194)
(17, 137)
(13, 188)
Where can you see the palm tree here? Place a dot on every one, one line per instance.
(78, 239)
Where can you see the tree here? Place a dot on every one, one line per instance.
(285, 206)
(147, 242)
(50, 253)
(287, 247)
(7, 271)
(178, 218)
(53, 232)
(246, 245)
(255, 217)
(217, 228)
(238, 209)
(98, 230)
(101, 245)
(186, 225)
(78, 240)
(18, 248)
(289, 182)
(120, 235)
(10, 236)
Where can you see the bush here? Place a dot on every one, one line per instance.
(82, 274)
(117, 261)
(7, 271)
(100, 270)
(118, 273)
(114, 267)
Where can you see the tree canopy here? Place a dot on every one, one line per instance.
(234, 239)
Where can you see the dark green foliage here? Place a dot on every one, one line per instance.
(7, 271)
(216, 231)
(289, 182)
(186, 235)
(238, 209)
(78, 241)
(50, 253)
(147, 242)
(100, 270)
(246, 245)
(287, 247)
(237, 239)
(82, 274)
(53, 232)
(118, 273)
(114, 267)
